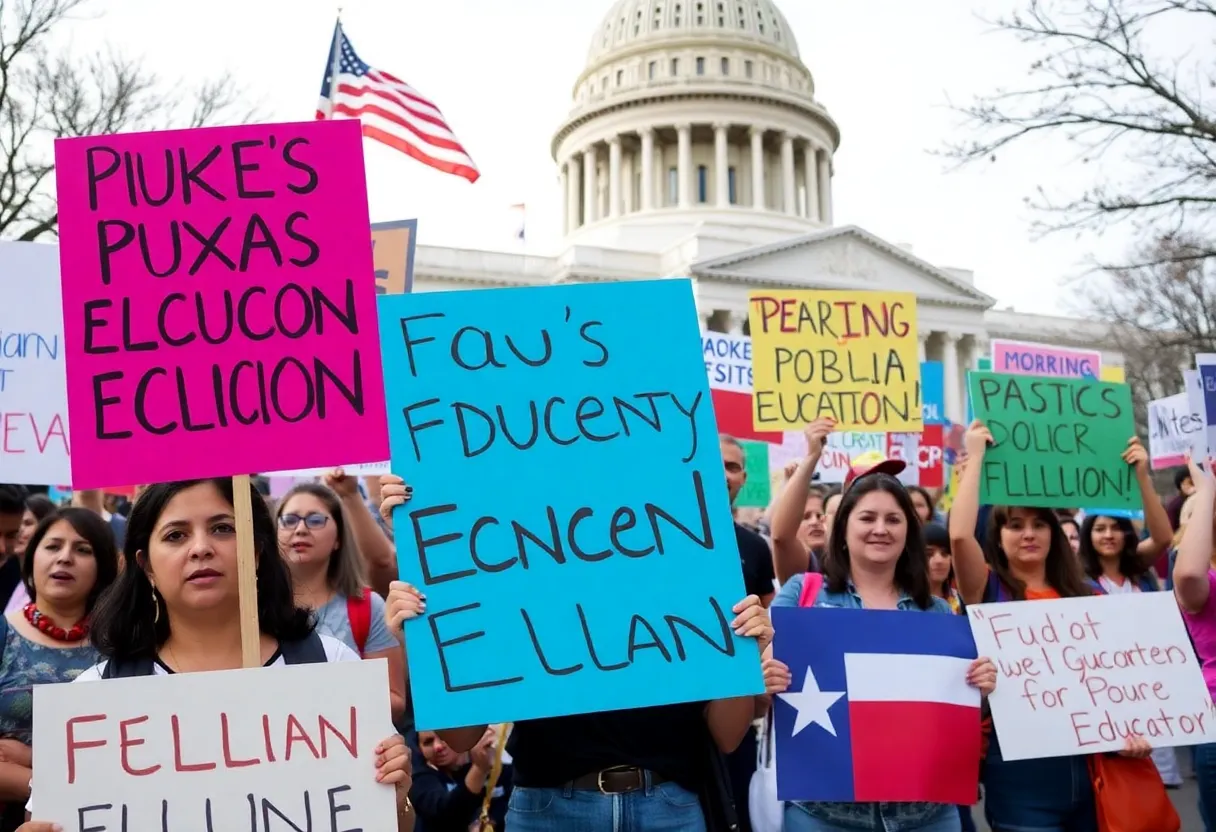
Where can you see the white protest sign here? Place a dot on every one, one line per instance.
(283, 747)
(728, 361)
(1194, 397)
(1173, 427)
(842, 448)
(906, 446)
(1079, 675)
(33, 381)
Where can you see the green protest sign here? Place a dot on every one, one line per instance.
(756, 491)
(1059, 441)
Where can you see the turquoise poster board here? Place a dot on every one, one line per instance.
(570, 525)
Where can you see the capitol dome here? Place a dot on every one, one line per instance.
(691, 112)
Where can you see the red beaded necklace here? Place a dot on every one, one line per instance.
(76, 632)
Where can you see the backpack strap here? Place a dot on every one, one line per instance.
(308, 650)
(359, 613)
(812, 582)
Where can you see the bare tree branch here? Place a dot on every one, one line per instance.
(1096, 82)
(46, 95)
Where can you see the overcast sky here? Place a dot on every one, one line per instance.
(503, 72)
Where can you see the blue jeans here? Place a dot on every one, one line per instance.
(662, 808)
(1205, 777)
(797, 820)
(1054, 794)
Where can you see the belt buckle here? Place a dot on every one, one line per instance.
(599, 778)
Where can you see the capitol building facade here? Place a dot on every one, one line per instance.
(695, 147)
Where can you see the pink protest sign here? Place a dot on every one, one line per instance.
(1018, 358)
(218, 301)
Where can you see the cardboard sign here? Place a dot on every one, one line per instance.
(570, 524)
(291, 746)
(757, 489)
(851, 356)
(842, 448)
(393, 245)
(933, 392)
(1172, 430)
(728, 364)
(1024, 359)
(1058, 442)
(217, 317)
(1078, 675)
(34, 447)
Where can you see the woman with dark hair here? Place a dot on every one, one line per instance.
(1111, 551)
(875, 559)
(923, 501)
(1025, 557)
(941, 565)
(70, 560)
(175, 606)
(328, 575)
(1072, 531)
(37, 507)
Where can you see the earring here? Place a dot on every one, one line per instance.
(155, 605)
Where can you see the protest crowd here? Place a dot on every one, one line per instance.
(329, 556)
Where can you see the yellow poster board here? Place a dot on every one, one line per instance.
(1113, 374)
(851, 356)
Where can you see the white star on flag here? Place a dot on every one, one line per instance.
(812, 705)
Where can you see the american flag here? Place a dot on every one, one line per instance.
(392, 112)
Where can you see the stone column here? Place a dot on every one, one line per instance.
(952, 377)
(573, 176)
(735, 321)
(628, 163)
(589, 186)
(614, 176)
(684, 165)
(721, 166)
(564, 180)
(647, 169)
(922, 341)
(789, 189)
(825, 188)
(757, 134)
(810, 160)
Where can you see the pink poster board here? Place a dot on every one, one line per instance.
(219, 312)
(1026, 359)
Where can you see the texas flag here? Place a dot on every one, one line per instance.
(879, 709)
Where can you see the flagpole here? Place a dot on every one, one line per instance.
(335, 63)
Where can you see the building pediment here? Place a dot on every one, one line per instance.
(847, 258)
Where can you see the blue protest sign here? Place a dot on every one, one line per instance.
(933, 392)
(570, 525)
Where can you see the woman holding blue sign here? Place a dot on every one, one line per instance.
(654, 766)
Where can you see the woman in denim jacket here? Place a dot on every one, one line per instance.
(876, 559)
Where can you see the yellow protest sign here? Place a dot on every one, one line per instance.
(851, 356)
(1114, 375)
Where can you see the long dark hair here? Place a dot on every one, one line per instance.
(89, 525)
(1130, 564)
(912, 568)
(124, 625)
(1063, 569)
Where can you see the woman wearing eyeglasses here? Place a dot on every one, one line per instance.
(329, 577)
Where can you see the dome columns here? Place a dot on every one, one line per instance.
(689, 166)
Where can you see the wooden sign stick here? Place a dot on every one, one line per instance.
(246, 572)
